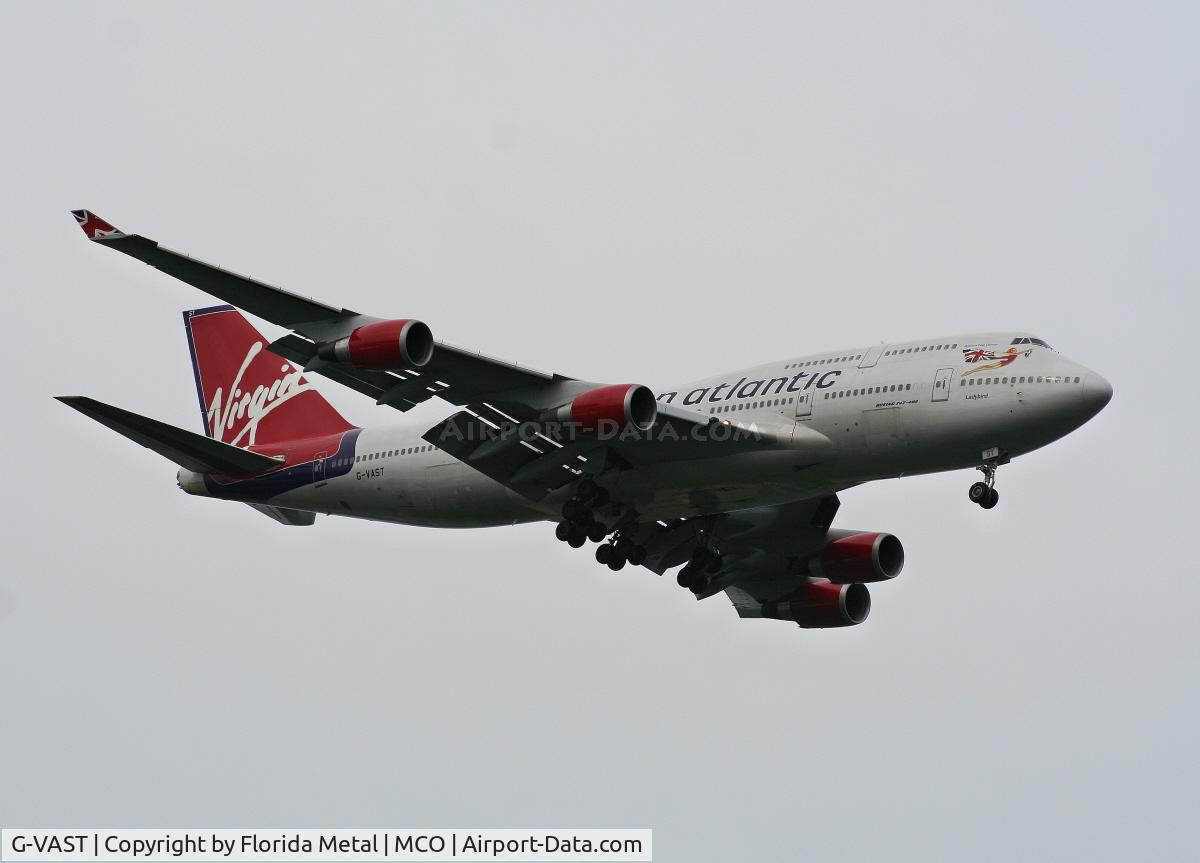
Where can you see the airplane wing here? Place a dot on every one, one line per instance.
(474, 375)
(497, 397)
(764, 549)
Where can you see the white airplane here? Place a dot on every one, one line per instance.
(733, 477)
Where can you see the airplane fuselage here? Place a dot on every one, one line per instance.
(832, 420)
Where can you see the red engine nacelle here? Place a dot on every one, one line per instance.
(403, 344)
(612, 408)
(823, 605)
(849, 557)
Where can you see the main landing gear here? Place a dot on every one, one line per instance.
(984, 493)
(620, 551)
(580, 525)
(695, 575)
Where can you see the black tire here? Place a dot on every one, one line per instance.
(577, 538)
(993, 499)
(600, 497)
(586, 489)
(562, 531)
(624, 546)
(603, 553)
(684, 577)
(637, 555)
(616, 562)
(978, 493)
(573, 509)
(596, 531)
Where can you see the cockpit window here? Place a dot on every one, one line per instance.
(1032, 341)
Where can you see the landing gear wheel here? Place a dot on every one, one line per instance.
(984, 493)
(624, 546)
(637, 555)
(604, 553)
(562, 531)
(691, 578)
(616, 562)
(596, 531)
(577, 538)
(587, 488)
(573, 510)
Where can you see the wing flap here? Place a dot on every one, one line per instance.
(530, 465)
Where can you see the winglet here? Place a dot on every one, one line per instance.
(95, 227)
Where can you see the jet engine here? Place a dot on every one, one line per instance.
(382, 345)
(611, 408)
(851, 557)
(823, 605)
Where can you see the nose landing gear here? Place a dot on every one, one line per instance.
(984, 493)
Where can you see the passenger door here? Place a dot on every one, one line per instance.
(871, 357)
(941, 384)
(319, 470)
(804, 400)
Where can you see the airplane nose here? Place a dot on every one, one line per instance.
(1097, 392)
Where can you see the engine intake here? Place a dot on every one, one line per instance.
(855, 557)
(611, 408)
(382, 345)
(823, 605)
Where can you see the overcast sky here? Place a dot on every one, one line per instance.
(617, 192)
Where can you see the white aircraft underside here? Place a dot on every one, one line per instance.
(734, 475)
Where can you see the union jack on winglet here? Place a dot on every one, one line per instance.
(95, 227)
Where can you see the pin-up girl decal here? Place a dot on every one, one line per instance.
(997, 361)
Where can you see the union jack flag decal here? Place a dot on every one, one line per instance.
(994, 360)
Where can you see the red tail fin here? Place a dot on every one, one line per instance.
(249, 395)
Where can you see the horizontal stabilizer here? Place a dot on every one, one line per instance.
(187, 449)
(284, 515)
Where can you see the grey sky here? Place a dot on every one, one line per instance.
(618, 192)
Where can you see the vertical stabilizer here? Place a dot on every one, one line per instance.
(249, 395)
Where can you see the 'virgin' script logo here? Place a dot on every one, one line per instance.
(226, 411)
